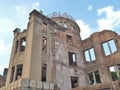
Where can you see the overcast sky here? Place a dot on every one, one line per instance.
(91, 16)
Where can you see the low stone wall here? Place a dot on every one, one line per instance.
(103, 86)
(28, 85)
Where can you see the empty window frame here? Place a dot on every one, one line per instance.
(43, 73)
(74, 82)
(44, 43)
(115, 72)
(65, 25)
(69, 39)
(72, 27)
(90, 55)
(12, 74)
(16, 46)
(22, 44)
(19, 71)
(44, 26)
(72, 58)
(109, 47)
(94, 77)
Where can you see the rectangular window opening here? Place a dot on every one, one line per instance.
(22, 44)
(91, 79)
(65, 25)
(43, 73)
(69, 39)
(19, 71)
(74, 82)
(97, 76)
(94, 77)
(72, 27)
(106, 49)
(44, 43)
(92, 54)
(115, 72)
(109, 47)
(112, 46)
(89, 55)
(72, 58)
(44, 26)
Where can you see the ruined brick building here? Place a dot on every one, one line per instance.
(50, 55)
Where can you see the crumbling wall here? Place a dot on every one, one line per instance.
(102, 61)
(64, 70)
(103, 86)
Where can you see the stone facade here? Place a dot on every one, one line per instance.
(50, 55)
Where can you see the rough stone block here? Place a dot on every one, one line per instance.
(15, 85)
(32, 84)
(23, 83)
(51, 86)
(3, 88)
(12, 86)
(39, 84)
(19, 83)
(45, 85)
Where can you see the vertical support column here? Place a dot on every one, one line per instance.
(15, 72)
(117, 70)
(18, 49)
(50, 72)
(16, 34)
(94, 78)
(33, 50)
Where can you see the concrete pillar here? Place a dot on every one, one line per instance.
(15, 72)
(33, 50)
(94, 78)
(11, 60)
